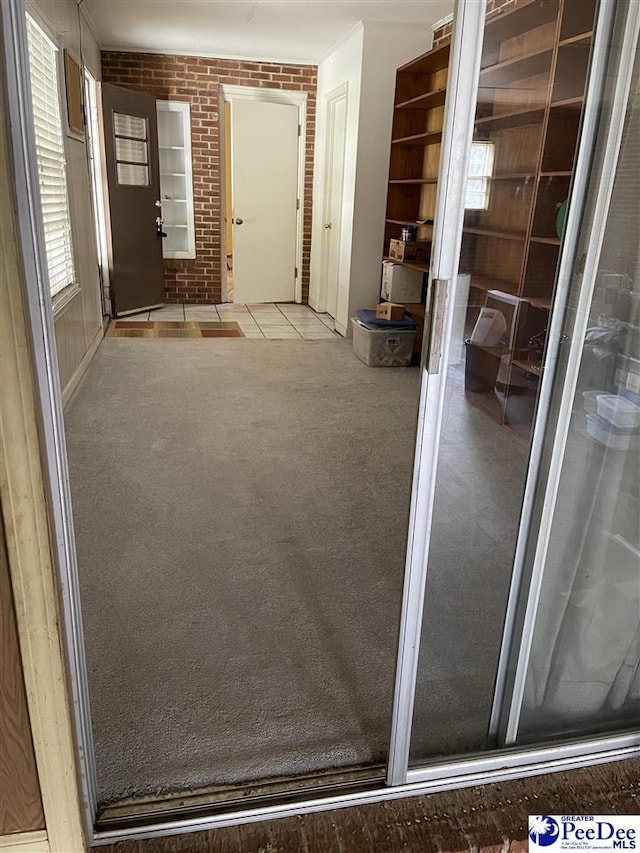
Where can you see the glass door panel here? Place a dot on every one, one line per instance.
(579, 664)
(532, 79)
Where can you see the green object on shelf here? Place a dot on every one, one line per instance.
(561, 217)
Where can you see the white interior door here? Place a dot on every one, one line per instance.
(334, 176)
(264, 154)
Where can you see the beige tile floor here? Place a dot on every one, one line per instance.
(275, 321)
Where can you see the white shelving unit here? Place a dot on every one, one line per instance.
(176, 181)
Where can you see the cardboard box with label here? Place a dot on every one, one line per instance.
(390, 311)
(415, 250)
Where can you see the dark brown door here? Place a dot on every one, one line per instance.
(133, 178)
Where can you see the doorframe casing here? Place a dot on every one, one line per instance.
(464, 70)
(36, 493)
(228, 93)
(331, 99)
(93, 142)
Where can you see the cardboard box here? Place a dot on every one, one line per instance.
(400, 283)
(390, 311)
(416, 250)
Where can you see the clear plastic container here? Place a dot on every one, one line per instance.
(591, 401)
(618, 411)
(618, 438)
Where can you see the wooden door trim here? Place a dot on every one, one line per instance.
(331, 100)
(230, 92)
(25, 842)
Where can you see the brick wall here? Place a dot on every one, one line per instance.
(197, 80)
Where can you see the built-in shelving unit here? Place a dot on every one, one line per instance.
(531, 88)
(176, 182)
(532, 82)
(415, 154)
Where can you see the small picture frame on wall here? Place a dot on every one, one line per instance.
(73, 90)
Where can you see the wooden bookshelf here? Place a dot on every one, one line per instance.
(426, 101)
(432, 137)
(530, 98)
(416, 136)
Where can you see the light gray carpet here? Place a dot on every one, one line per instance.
(241, 514)
(480, 482)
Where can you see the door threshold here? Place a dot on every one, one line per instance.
(157, 808)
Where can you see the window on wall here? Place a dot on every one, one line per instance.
(47, 119)
(479, 176)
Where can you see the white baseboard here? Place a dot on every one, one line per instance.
(25, 842)
(80, 370)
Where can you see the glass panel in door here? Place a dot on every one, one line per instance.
(532, 80)
(581, 672)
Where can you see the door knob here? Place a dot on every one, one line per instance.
(158, 203)
(328, 225)
(238, 221)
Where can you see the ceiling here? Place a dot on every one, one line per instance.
(284, 30)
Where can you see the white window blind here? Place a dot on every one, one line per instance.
(50, 156)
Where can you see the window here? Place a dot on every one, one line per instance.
(479, 176)
(132, 159)
(43, 68)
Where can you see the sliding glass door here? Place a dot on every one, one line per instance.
(577, 667)
(522, 610)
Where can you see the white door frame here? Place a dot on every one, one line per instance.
(95, 165)
(229, 93)
(464, 71)
(331, 99)
(49, 691)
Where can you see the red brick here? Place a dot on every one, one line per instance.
(195, 80)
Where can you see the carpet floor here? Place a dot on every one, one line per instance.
(241, 515)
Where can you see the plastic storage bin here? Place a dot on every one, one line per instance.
(382, 347)
(618, 411)
(618, 438)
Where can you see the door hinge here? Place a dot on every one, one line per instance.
(296, 273)
(297, 204)
(299, 130)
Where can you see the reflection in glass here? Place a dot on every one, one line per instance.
(583, 671)
(524, 144)
(135, 176)
(131, 150)
(126, 125)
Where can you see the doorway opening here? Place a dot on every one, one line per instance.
(241, 528)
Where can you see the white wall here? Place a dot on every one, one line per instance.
(79, 326)
(343, 65)
(368, 61)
